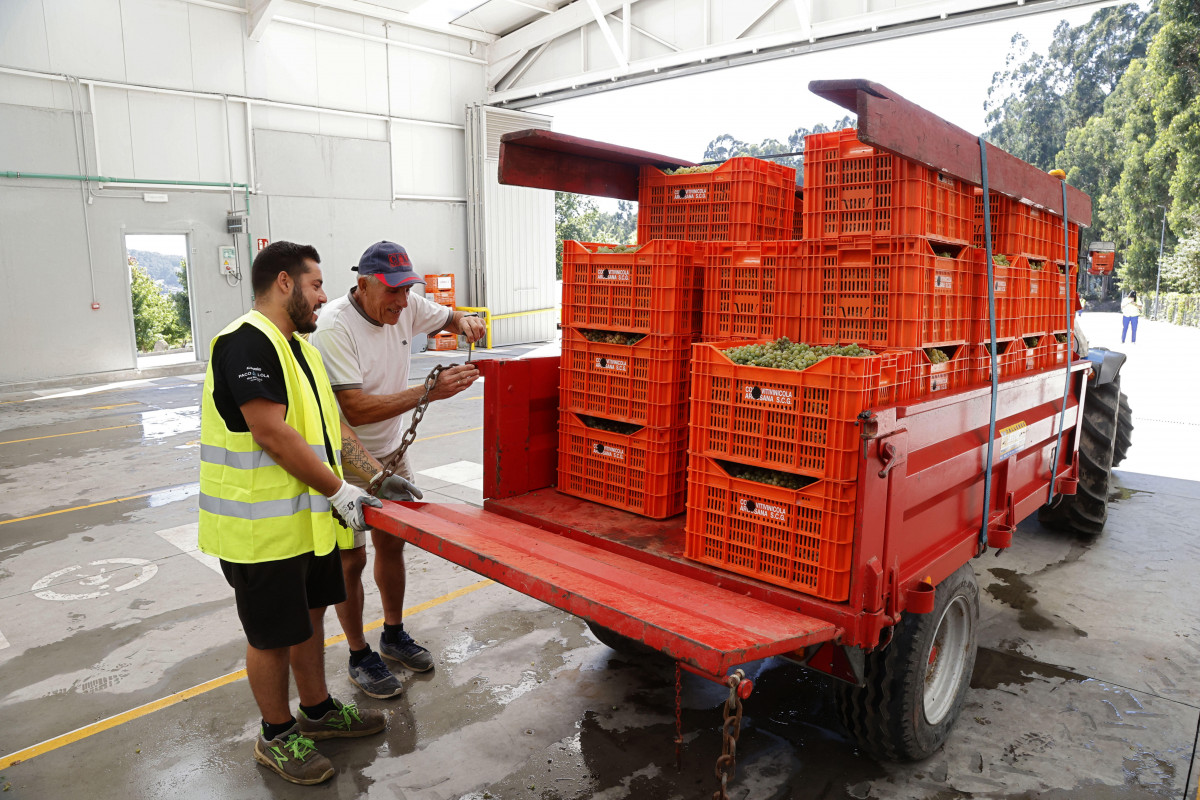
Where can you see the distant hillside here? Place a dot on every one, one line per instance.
(160, 267)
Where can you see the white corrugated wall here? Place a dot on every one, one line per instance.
(511, 232)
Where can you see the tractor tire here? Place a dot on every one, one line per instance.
(1086, 511)
(1124, 431)
(622, 644)
(914, 688)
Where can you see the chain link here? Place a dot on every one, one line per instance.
(410, 435)
(731, 728)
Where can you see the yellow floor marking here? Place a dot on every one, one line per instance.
(118, 405)
(76, 735)
(74, 433)
(451, 433)
(76, 508)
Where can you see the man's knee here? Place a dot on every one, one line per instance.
(386, 545)
(353, 562)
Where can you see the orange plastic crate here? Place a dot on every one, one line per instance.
(798, 217)
(644, 383)
(744, 199)
(799, 538)
(887, 292)
(443, 341)
(749, 290)
(1057, 318)
(643, 472)
(1016, 315)
(930, 379)
(1051, 351)
(852, 190)
(1013, 358)
(441, 298)
(803, 422)
(653, 290)
(1023, 230)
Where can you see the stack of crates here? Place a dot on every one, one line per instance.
(440, 289)
(889, 262)
(630, 315)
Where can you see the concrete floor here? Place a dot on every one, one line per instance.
(1087, 684)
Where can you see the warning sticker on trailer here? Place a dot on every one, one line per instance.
(1012, 439)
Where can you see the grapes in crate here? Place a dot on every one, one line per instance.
(786, 354)
(610, 425)
(771, 477)
(612, 337)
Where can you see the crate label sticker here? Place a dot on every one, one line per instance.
(696, 193)
(610, 274)
(445, 282)
(1012, 439)
(939, 382)
(1001, 286)
(947, 180)
(608, 451)
(777, 397)
(1033, 286)
(612, 364)
(758, 508)
(943, 280)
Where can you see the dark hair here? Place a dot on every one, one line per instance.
(280, 257)
(1133, 295)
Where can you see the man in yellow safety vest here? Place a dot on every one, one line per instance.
(271, 453)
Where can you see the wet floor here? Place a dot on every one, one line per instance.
(1087, 682)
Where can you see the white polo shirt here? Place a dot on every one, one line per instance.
(360, 353)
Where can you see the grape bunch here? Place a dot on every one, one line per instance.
(609, 425)
(1001, 261)
(936, 356)
(618, 248)
(692, 170)
(785, 354)
(771, 477)
(612, 337)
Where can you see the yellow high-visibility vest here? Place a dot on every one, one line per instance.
(252, 509)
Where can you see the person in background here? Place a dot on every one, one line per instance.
(271, 447)
(1131, 309)
(366, 339)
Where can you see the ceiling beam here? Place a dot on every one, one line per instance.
(372, 11)
(259, 16)
(560, 23)
(621, 56)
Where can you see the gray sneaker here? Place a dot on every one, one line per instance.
(347, 720)
(374, 678)
(407, 652)
(294, 757)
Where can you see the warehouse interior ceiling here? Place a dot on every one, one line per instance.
(541, 51)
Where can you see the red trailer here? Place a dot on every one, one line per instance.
(903, 643)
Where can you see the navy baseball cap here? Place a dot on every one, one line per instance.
(390, 263)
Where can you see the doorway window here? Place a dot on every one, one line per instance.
(162, 312)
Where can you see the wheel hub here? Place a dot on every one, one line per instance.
(944, 672)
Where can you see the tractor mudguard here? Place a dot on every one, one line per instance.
(1106, 364)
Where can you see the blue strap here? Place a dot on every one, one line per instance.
(991, 283)
(1062, 420)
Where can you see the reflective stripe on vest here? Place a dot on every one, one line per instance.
(265, 509)
(213, 454)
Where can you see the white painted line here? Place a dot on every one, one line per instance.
(90, 390)
(464, 473)
(183, 537)
(3, 642)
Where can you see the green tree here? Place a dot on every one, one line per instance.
(153, 312)
(183, 309)
(578, 218)
(1181, 269)
(725, 146)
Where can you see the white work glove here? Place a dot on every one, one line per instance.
(397, 488)
(348, 501)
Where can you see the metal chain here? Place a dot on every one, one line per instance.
(731, 728)
(410, 435)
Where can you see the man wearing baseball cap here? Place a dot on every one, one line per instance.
(365, 341)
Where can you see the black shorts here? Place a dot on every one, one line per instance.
(274, 597)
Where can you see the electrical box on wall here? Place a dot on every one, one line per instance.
(227, 258)
(235, 223)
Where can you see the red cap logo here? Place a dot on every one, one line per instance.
(399, 260)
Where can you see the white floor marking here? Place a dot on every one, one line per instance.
(3, 642)
(183, 537)
(464, 473)
(101, 579)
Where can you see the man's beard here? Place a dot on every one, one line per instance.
(300, 312)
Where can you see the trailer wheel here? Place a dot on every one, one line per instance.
(914, 689)
(1124, 431)
(622, 644)
(1086, 511)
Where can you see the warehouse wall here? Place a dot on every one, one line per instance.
(337, 180)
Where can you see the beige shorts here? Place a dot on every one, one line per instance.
(403, 470)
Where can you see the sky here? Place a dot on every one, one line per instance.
(947, 73)
(172, 245)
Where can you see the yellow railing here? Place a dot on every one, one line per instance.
(488, 317)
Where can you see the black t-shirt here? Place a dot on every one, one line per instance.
(246, 367)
